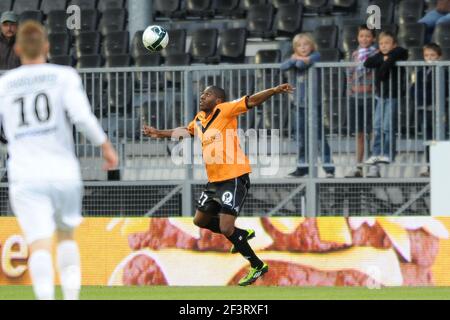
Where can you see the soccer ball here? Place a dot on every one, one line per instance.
(155, 38)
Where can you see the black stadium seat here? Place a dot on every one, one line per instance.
(87, 43)
(342, 4)
(199, 8)
(315, 6)
(387, 10)
(148, 60)
(415, 54)
(349, 38)
(393, 28)
(232, 45)
(247, 4)
(177, 42)
(65, 60)
(115, 43)
(84, 4)
(112, 20)
(288, 20)
(410, 11)
(330, 55)
(178, 59)
(118, 60)
(89, 19)
(446, 53)
(441, 35)
(279, 3)
(268, 56)
(326, 36)
(203, 45)
(168, 8)
(59, 44)
(259, 20)
(137, 47)
(104, 5)
(411, 35)
(57, 21)
(52, 5)
(90, 61)
(227, 8)
(31, 15)
(25, 5)
(5, 5)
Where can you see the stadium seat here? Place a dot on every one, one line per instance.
(410, 11)
(168, 8)
(25, 5)
(112, 20)
(137, 47)
(148, 60)
(118, 60)
(349, 38)
(232, 45)
(268, 56)
(178, 59)
(52, 5)
(177, 42)
(87, 43)
(203, 45)
(279, 3)
(199, 8)
(31, 15)
(104, 5)
(56, 21)
(446, 53)
(387, 10)
(441, 35)
(59, 44)
(5, 5)
(330, 55)
(411, 35)
(115, 43)
(84, 4)
(65, 60)
(315, 6)
(389, 27)
(342, 4)
(227, 8)
(326, 36)
(288, 19)
(259, 20)
(89, 19)
(415, 54)
(89, 61)
(247, 4)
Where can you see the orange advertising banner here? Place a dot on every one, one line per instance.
(328, 251)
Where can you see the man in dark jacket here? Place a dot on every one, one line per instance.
(8, 58)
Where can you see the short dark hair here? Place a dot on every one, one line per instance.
(435, 47)
(219, 92)
(387, 33)
(366, 28)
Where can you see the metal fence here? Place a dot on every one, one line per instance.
(327, 123)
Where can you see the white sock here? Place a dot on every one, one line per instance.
(69, 269)
(41, 271)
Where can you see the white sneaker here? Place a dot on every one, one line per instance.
(329, 175)
(355, 173)
(374, 172)
(377, 159)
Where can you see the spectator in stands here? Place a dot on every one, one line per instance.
(8, 58)
(386, 80)
(304, 56)
(441, 14)
(359, 82)
(422, 91)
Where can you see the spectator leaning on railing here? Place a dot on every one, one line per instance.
(8, 58)
(441, 14)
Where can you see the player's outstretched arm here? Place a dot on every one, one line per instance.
(260, 97)
(180, 132)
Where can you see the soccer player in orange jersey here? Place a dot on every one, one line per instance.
(227, 167)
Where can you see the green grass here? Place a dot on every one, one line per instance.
(239, 293)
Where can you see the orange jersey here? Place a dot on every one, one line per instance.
(217, 132)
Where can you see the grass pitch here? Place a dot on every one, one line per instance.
(239, 293)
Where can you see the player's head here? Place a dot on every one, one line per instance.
(32, 42)
(432, 52)
(211, 97)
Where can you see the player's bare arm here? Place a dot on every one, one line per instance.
(180, 132)
(260, 97)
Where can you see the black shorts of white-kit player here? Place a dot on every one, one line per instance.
(224, 196)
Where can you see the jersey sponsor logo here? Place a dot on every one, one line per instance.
(227, 197)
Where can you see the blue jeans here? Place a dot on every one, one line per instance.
(302, 140)
(431, 19)
(385, 128)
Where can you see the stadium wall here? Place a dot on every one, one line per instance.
(327, 251)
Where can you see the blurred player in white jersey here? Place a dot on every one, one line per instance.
(39, 103)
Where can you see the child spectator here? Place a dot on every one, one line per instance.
(359, 81)
(422, 91)
(386, 82)
(304, 56)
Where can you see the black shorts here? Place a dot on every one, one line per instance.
(225, 196)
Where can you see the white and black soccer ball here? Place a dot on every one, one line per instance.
(155, 38)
